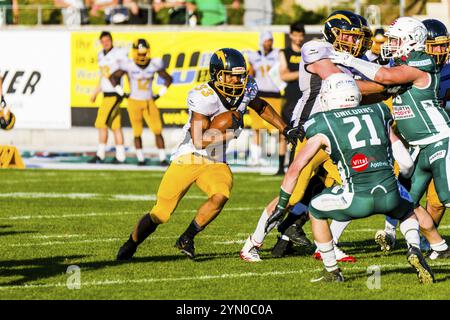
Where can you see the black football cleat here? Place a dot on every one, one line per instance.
(164, 163)
(445, 254)
(296, 234)
(186, 246)
(115, 161)
(142, 163)
(127, 251)
(330, 276)
(96, 159)
(417, 261)
(282, 248)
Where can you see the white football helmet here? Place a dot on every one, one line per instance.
(404, 35)
(338, 91)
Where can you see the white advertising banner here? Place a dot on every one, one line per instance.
(35, 67)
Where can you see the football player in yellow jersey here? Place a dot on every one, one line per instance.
(108, 116)
(200, 156)
(141, 102)
(7, 118)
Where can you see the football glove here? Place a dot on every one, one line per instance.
(342, 58)
(237, 124)
(393, 90)
(293, 134)
(275, 219)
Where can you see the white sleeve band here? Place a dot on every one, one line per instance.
(367, 68)
(119, 90)
(162, 91)
(401, 155)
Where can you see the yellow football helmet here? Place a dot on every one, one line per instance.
(377, 40)
(141, 52)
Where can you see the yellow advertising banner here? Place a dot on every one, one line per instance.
(186, 54)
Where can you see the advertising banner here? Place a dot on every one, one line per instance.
(186, 55)
(35, 67)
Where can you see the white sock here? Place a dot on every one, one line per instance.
(101, 151)
(120, 153)
(259, 234)
(140, 155)
(328, 256)
(440, 246)
(337, 228)
(162, 155)
(390, 225)
(255, 152)
(410, 230)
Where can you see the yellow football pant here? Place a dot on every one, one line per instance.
(311, 169)
(139, 110)
(108, 114)
(211, 177)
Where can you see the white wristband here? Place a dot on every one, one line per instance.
(401, 155)
(367, 68)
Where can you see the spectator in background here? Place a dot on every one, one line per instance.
(211, 12)
(116, 11)
(257, 12)
(178, 11)
(9, 12)
(289, 64)
(73, 12)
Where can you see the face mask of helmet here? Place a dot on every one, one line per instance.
(438, 48)
(404, 36)
(351, 41)
(227, 84)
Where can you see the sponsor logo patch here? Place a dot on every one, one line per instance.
(359, 162)
(420, 63)
(403, 112)
(437, 155)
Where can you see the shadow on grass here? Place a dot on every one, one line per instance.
(12, 232)
(34, 269)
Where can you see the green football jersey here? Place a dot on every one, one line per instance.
(360, 145)
(420, 119)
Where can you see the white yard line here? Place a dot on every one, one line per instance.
(199, 278)
(99, 214)
(122, 197)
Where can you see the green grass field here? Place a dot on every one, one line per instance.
(50, 220)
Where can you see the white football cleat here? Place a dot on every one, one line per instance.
(250, 250)
(341, 256)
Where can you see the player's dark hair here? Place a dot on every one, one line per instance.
(105, 34)
(297, 27)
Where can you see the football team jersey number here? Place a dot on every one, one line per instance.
(354, 143)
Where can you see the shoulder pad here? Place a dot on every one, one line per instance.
(315, 50)
(198, 102)
(157, 63)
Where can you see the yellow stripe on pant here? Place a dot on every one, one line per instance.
(211, 177)
(108, 114)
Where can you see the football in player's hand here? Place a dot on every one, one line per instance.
(224, 121)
